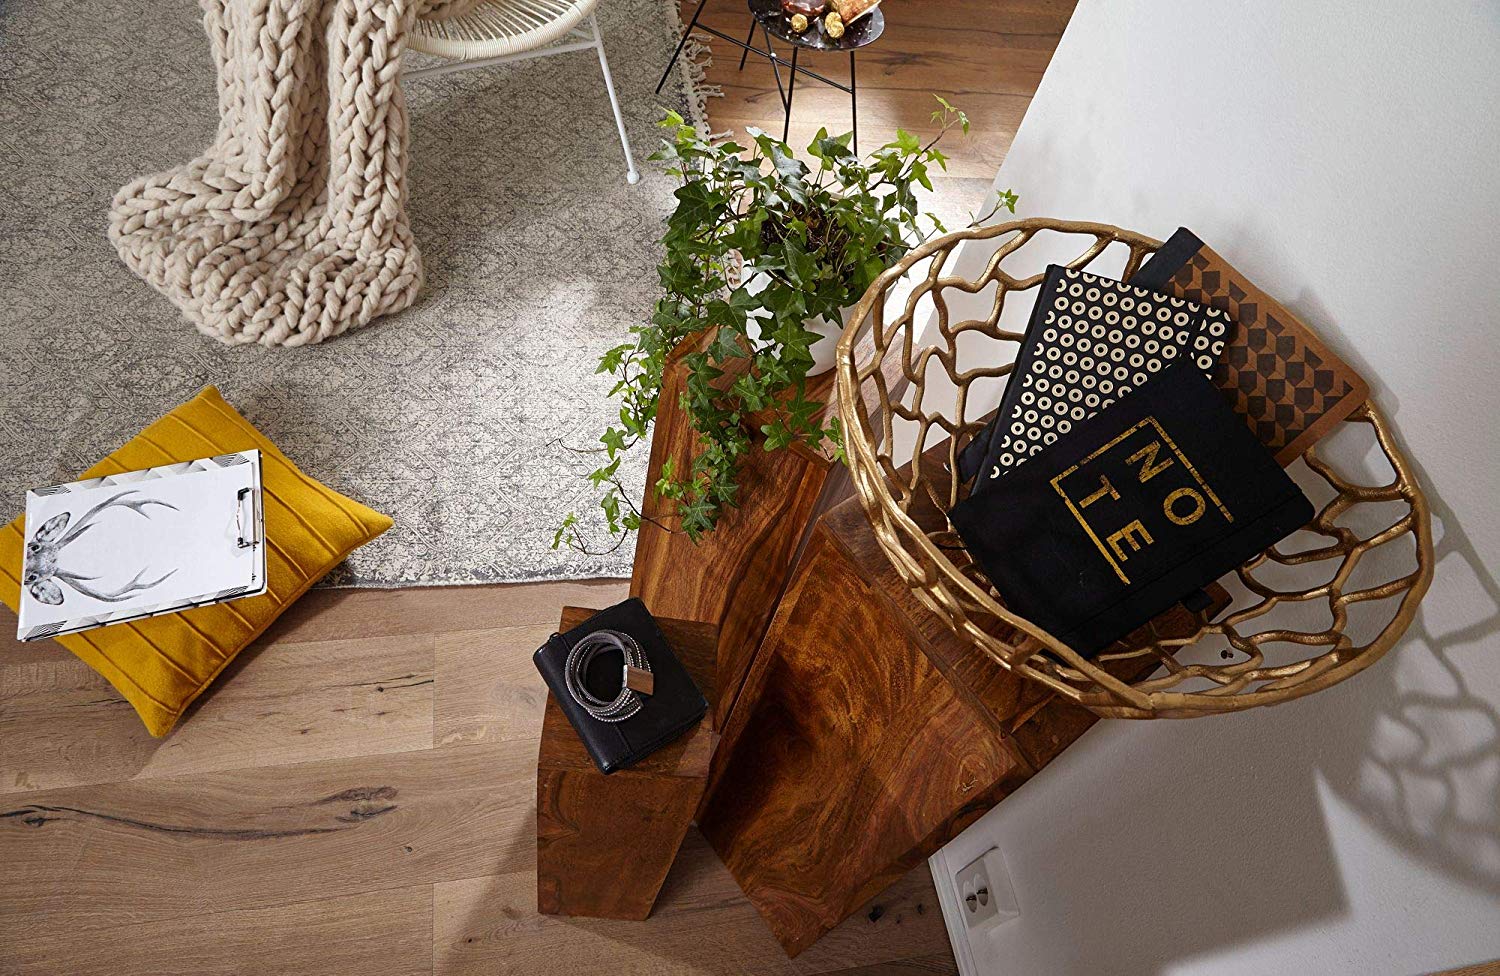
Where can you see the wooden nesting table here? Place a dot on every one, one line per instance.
(605, 843)
(734, 576)
(859, 734)
(865, 737)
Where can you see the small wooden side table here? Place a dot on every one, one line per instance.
(733, 577)
(604, 844)
(865, 737)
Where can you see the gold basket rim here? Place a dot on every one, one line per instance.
(1113, 697)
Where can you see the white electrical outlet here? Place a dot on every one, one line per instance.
(985, 895)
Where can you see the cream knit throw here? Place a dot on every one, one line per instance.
(292, 226)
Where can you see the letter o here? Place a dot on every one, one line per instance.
(1190, 518)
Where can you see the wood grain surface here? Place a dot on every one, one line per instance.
(867, 735)
(733, 577)
(395, 843)
(985, 56)
(850, 757)
(606, 842)
(701, 925)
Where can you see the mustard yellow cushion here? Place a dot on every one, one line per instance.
(160, 664)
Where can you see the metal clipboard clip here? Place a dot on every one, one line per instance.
(245, 522)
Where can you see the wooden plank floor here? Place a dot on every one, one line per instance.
(356, 794)
(985, 56)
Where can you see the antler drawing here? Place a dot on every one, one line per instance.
(41, 572)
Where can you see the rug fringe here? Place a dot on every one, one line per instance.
(693, 66)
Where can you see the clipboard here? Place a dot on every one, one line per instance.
(105, 551)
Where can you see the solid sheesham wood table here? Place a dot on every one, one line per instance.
(606, 843)
(859, 735)
(733, 577)
(866, 736)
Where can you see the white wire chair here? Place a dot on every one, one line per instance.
(500, 31)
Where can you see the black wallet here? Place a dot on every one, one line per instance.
(674, 706)
(1139, 506)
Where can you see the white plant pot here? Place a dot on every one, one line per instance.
(823, 349)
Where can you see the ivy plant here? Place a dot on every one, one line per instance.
(760, 242)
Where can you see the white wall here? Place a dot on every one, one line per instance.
(1346, 157)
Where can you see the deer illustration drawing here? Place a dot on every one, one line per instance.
(41, 573)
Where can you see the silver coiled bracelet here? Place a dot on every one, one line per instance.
(636, 681)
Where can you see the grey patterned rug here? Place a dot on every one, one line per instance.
(455, 416)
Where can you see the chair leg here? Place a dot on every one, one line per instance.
(631, 176)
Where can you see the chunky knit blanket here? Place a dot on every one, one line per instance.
(292, 226)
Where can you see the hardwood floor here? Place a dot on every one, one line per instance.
(357, 794)
(985, 56)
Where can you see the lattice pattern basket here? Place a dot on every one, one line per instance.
(1303, 615)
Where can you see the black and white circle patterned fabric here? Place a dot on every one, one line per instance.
(1099, 339)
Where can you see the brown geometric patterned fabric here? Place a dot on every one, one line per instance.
(1286, 384)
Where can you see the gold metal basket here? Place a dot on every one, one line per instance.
(906, 374)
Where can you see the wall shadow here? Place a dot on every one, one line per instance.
(1420, 759)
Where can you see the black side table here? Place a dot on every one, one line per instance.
(768, 17)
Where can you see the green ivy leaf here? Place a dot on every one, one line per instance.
(906, 143)
(816, 238)
(568, 523)
(613, 440)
